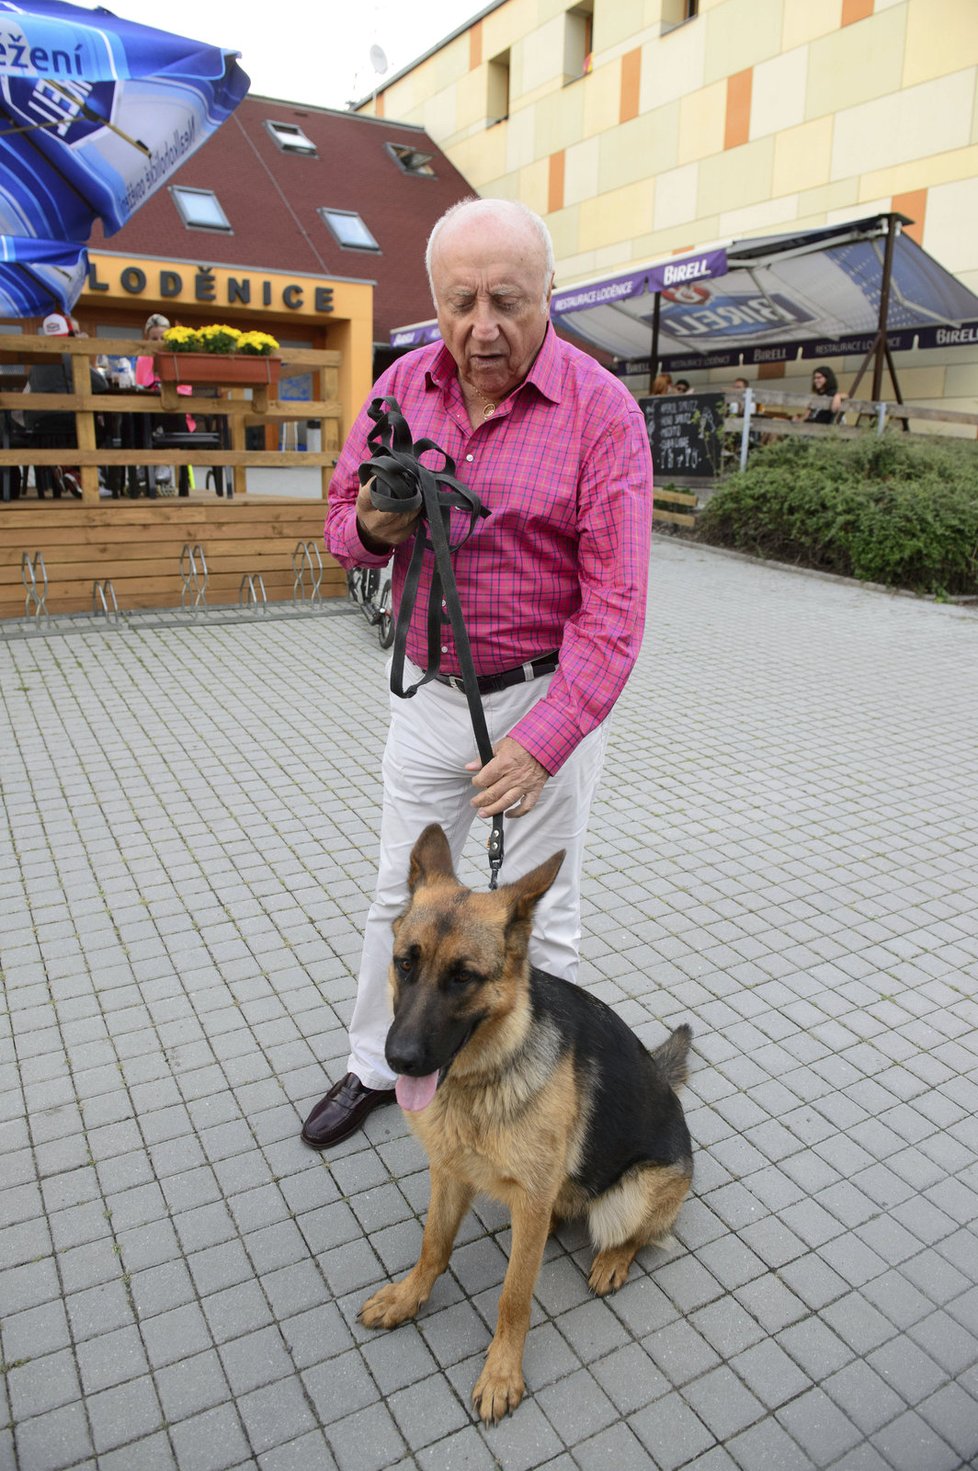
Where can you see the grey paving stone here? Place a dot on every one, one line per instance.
(767, 1446)
(398, 1358)
(576, 1406)
(152, 1452)
(124, 1413)
(42, 1384)
(90, 1265)
(688, 1284)
(34, 1331)
(317, 1334)
(905, 1366)
(193, 1384)
(367, 1440)
(814, 1281)
(429, 1416)
(910, 1442)
(275, 1414)
(173, 1335)
(671, 1432)
(213, 1441)
(236, 1310)
(306, 1451)
(723, 1403)
(160, 1289)
(110, 1359)
(726, 1326)
(863, 1396)
(948, 1343)
(50, 1442)
(769, 1372)
(680, 1352)
(815, 1348)
(99, 1310)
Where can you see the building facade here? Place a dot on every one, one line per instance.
(639, 128)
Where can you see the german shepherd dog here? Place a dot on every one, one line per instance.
(526, 1088)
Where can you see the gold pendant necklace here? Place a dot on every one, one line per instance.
(488, 410)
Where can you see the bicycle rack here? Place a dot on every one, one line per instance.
(35, 593)
(252, 592)
(104, 600)
(306, 555)
(193, 570)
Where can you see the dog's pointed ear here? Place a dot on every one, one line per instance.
(526, 893)
(431, 858)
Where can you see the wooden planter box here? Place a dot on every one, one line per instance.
(218, 370)
(227, 370)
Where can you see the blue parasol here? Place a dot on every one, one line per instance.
(47, 272)
(96, 114)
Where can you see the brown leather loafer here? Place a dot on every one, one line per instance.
(342, 1111)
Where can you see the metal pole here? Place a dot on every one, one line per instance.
(891, 234)
(745, 432)
(654, 349)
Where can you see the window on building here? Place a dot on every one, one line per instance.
(199, 208)
(290, 138)
(677, 12)
(578, 41)
(497, 95)
(349, 229)
(412, 160)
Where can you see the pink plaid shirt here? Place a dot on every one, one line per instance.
(562, 561)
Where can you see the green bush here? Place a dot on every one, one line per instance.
(893, 510)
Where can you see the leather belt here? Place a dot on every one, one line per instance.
(490, 684)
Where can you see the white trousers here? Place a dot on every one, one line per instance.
(428, 744)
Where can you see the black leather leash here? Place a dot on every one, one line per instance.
(402, 484)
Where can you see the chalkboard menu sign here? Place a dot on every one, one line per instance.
(686, 434)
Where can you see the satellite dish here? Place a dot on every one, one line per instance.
(378, 59)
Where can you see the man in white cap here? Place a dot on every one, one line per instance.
(56, 430)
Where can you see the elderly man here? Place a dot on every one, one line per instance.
(552, 585)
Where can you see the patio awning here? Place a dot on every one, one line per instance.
(762, 300)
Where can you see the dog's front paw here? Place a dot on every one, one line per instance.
(497, 1392)
(609, 1270)
(393, 1304)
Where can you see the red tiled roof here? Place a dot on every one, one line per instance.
(271, 198)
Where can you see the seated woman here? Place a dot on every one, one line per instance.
(661, 384)
(825, 385)
(156, 326)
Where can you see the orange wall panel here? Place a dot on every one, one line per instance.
(914, 206)
(631, 77)
(853, 10)
(737, 127)
(555, 183)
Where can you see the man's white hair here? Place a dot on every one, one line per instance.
(497, 208)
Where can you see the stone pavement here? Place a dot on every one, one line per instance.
(783, 853)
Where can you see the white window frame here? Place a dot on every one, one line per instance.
(181, 193)
(290, 138)
(327, 214)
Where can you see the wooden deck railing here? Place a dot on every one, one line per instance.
(771, 413)
(239, 411)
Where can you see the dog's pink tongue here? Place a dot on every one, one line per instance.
(414, 1094)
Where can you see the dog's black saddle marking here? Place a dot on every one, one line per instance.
(635, 1118)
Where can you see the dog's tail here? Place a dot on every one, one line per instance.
(671, 1056)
